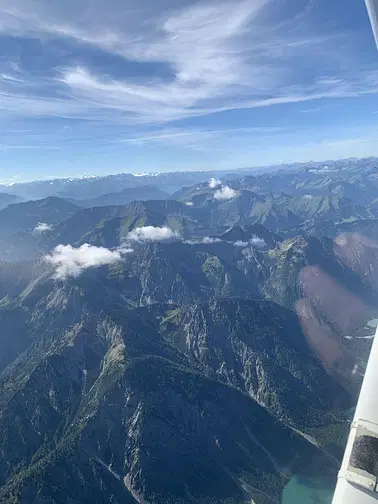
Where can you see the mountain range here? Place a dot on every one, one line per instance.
(125, 398)
(124, 197)
(204, 345)
(322, 176)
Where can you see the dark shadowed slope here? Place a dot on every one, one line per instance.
(96, 392)
(26, 216)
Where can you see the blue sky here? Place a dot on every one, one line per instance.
(104, 86)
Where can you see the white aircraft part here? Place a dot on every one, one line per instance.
(357, 482)
(372, 7)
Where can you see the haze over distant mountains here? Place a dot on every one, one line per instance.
(195, 337)
(89, 187)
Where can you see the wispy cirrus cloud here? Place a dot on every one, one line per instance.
(199, 139)
(151, 74)
(218, 56)
(201, 44)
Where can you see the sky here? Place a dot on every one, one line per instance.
(109, 86)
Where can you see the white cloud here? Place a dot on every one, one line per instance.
(124, 249)
(42, 227)
(254, 242)
(214, 183)
(71, 262)
(225, 193)
(241, 243)
(207, 240)
(152, 233)
(258, 242)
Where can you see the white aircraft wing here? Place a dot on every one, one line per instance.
(357, 482)
(372, 7)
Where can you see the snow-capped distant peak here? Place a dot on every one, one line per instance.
(145, 174)
(69, 179)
